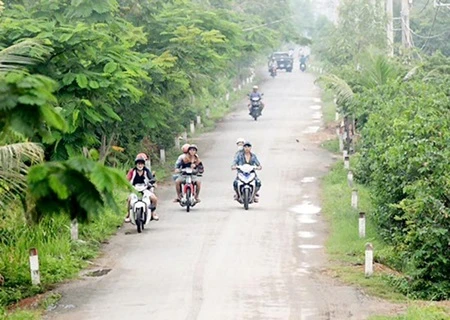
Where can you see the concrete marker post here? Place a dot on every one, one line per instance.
(368, 270)
(208, 112)
(34, 267)
(336, 116)
(162, 156)
(192, 127)
(350, 178)
(227, 96)
(344, 154)
(74, 229)
(199, 120)
(177, 142)
(354, 199)
(347, 162)
(362, 224)
(341, 143)
(185, 135)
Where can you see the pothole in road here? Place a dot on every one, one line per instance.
(306, 234)
(317, 115)
(306, 220)
(312, 129)
(308, 179)
(306, 208)
(98, 273)
(310, 246)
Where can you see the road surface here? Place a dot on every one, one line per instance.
(220, 261)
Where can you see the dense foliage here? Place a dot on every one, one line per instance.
(87, 83)
(402, 110)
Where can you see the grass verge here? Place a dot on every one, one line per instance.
(346, 249)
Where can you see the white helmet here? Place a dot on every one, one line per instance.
(255, 87)
(240, 140)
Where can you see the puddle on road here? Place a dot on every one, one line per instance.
(306, 208)
(310, 246)
(317, 115)
(306, 220)
(312, 129)
(308, 179)
(306, 234)
(315, 107)
(303, 270)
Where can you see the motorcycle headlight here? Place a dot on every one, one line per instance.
(247, 178)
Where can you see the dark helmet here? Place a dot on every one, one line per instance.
(193, 146)
(141, 157)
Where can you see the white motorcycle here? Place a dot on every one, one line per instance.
(246, 180)
(141, 205)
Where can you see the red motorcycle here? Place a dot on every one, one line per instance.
(188, 189)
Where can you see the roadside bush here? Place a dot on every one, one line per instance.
(405, 160)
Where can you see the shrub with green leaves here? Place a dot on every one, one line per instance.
(405, 159)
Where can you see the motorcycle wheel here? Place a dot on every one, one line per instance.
(255, 117)
(139, 224)
(188, 199)
(246, 198)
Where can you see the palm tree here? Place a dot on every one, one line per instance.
(15, 158)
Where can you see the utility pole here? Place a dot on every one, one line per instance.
(390, 26)
(406, 30)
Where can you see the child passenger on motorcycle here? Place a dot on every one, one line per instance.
(140, 174)
(247, 157)
(189, 160)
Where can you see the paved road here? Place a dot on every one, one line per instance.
(219, 261)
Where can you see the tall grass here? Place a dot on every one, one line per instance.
(60, 258)
(346, 249)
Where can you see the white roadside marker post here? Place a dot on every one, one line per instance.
(368, 270)
(74, 229)
(362, 225)
(162, 156)
(34, 267)
(354, 199)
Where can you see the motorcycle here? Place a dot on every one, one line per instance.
(255, 107)
(141, 206)
(246, 184)
(273, 72)
(302, 66)
(188, 189)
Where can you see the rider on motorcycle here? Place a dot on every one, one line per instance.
(256, 94)
(140, 174)
(240, 146)
(247, 157)
(184, 149)
(192, 160)
(273, 65)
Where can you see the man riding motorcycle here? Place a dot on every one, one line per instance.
(273, 66)
(140, 174)
(246, 157)
(189, 160)
(255, 94)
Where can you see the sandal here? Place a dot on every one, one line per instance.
(155, 217)
(127, 220)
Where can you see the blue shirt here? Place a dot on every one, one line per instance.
(240, 160)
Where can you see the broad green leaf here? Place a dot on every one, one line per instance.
(82, 81)
(110, 67)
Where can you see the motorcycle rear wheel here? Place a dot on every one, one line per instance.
(139, 222)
